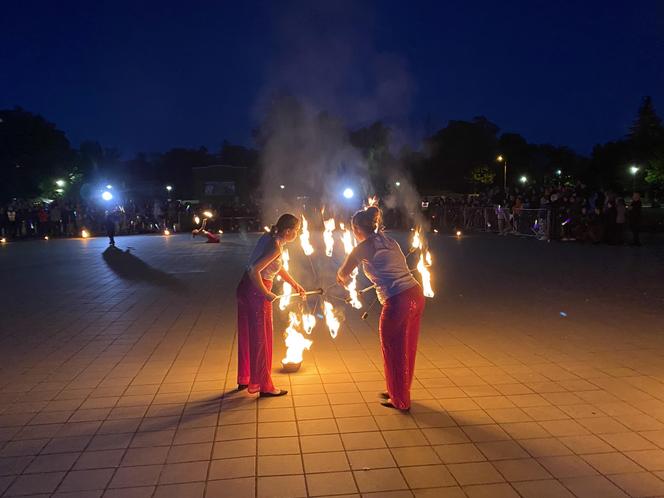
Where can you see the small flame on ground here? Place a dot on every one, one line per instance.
(296, 343)
(45, 237)
(458, 233)
(85, 234)
(328, 236)
(3, 240)
(330, 320)
(304, 238)
(167, 232)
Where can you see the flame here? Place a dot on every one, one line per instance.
(328, 236)
(426, 274)
(85, 234)
(308, 323)
(372, 201)
(3, 241)
(304, 238)
(296, 343)
(287, 289)
(197, 220)
(330, 320)
(349, 244)
(266, 228)
(417, 242)
(207, 214)
(167, 232)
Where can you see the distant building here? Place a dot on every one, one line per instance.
(221, 184)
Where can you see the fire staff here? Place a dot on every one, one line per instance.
(385, 266)
(254, 307)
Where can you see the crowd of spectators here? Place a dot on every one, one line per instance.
(565, 212)
(22, 219)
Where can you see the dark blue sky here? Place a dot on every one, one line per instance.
(147, 76)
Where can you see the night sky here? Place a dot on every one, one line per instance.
(147, 76)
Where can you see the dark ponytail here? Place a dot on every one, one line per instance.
(284, 222)
(368, 220)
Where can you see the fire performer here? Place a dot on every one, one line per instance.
(254, 307)
(385, 266)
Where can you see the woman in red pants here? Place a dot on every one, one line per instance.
(254, 307)
(400, 294)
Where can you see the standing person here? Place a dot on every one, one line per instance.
(110, 227)
(620, 220)
(400, 294)
(254, 307)
(635, 218)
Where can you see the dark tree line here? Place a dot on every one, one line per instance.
(459, 157)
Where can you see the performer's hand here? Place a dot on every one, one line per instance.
(271, 296)
(342, 281)
(300, 290)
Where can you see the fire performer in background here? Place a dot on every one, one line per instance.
(385, 266)
(254, 307)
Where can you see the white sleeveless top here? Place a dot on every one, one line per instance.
(385, 265)
(266, 244)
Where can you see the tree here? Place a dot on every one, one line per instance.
(647, 130)
(482, 175)
(33, 152)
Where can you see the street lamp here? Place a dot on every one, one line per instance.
(503, 160)
(60, 183)
(559, 172)
(634, 170)
(282, 187)
(348, 193)
(169, 187)
(523, 179)
(398, 184)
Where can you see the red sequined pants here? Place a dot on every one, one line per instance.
(399, 331)
(254, 337)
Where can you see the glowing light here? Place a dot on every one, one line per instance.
(398, 184)
(60, 183)
(282, 187)
(296, 343)
(328, 236)
(106, 195)
(221, 231)
(372, 201)
(169, 187)
(308, 323)
(426, 274)
(348, 193)
(349, 244)
(435, 230)
(45, 237)
(59, 190)
(416, 243)
(207, 214)
(559, 172)
(287, 289)
(197, 220)
(304, 238)
(634, 169)
(109, 186)
(458, 233)
(330, 320)
(3, 240)
(499, 159)
(266, 228)
(167, 232)
(85, 234)
(523, 179)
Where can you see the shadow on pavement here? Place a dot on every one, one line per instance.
(130, 267)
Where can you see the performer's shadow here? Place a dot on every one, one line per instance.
(130, 267)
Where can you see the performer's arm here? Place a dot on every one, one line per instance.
(347, 267)
(283, 273)
(256, 269)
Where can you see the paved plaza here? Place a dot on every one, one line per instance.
(540, 373)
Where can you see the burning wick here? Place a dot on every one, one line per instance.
(296, 343)
(84, 234)
(328, 236)
(458, 233)
(304, 238)
(167, 232)
(330, 320)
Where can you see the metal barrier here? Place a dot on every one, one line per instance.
(524, 222)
